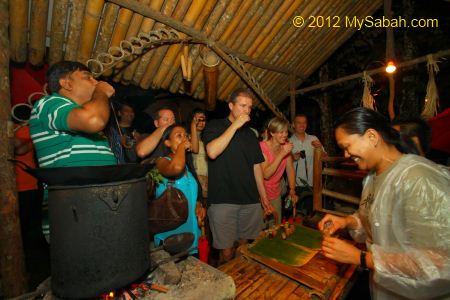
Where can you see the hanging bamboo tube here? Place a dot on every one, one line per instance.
(38, 24)
(133, 30)
(146, 26)
(241, 19)
(264, 32)
(120, 31)
(74, 29)
(106, 28)
(163, 76)
(168, 9)
(210, 69)
(220, 27)
(91, 21)
(58, 30)
(174, 68)
(157, 59)
(12, 266)
(207, 28)
(18, 22)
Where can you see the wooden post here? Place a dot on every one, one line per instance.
(292, 92)
(12, 264)
(390, 55)
(317, 180)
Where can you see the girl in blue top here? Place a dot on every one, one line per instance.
(173, 164)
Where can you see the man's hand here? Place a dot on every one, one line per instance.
(340, 251)
(106, 88)
(241, 120)
(334, 223)
(316, 144)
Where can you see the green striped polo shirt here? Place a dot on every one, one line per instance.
(59, 146)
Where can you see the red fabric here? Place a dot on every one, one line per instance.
(440, 131)
(24, 181)
(24, 82)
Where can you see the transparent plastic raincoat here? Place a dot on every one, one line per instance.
(404, 218)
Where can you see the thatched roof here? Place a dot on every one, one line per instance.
(259, 34)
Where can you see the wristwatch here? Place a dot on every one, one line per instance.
(362, 260)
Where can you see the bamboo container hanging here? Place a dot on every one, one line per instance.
(58, 30)
(168, 9)
(432, 97)
(217, 29)
(38, 24)
(18, 22)
(106, 29)
(165, 74)
(158, 57)
(74, 29)
(208, 28)
(210, 62)
(367, 99)
(91, 21)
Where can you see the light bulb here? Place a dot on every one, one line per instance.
(390, 68)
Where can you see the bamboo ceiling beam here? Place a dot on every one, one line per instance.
(74, 29)
(38, 31)
(18, 28)
(91, 21)
(58, 29)
(106, 29)
(148, 12)
(371, 72)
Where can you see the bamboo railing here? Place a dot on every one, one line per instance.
(318, 187)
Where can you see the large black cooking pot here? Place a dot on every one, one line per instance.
(98, 227)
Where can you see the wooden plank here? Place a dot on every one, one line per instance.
(341, 196)
(351, 174)
(253, 288)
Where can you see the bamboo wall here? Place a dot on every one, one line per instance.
(259, 29)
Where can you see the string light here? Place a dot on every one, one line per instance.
(390, 67)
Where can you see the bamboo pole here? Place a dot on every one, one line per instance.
(171, 62)
(404, 64)
(133, 30)
(106, 28)
(74, 29)
(292, 98)
(168, 9)
(146, 27)
(12, 263)
(158, 57)
(317, 179)
(38, 32)
(390, 55)
(243, 18)
(135, 6)
(58, 30)
(18, 11)
(194, 53)
(91, 21)
(262, 39)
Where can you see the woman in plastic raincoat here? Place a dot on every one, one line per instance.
(404, 214)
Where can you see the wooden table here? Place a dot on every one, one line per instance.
(254, 280)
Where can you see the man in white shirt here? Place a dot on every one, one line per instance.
(303, 152)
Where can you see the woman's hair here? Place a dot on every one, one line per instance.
(359, 120)
(277, 124)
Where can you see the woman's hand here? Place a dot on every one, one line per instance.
(200, 212)
(293, 195)
(186, 144)
(332, 223)
(340, 251)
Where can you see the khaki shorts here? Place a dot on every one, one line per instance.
(232, 222)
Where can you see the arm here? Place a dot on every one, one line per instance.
(257, 170)
(270, 168)
(149, 143)
(194, 136)
(218, 145)
(92, 116)
(175, 166)
(290, 171)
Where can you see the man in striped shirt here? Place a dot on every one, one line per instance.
(66, 126)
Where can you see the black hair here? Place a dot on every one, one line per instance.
(415, 127)
(359, 120)
(241, 92)
(61, 70)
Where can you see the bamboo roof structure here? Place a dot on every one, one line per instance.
(140, 42)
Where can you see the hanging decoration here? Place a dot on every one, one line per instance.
(186, 68)
(367, 99)
(431, 104)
